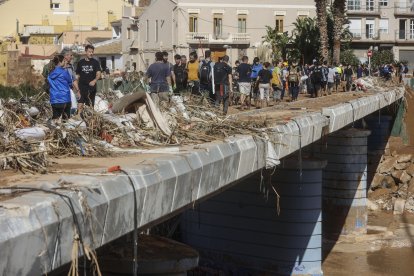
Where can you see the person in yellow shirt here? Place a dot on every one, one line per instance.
(193, 71)
(276, 81)
(338, 75)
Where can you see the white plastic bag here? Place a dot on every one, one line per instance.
(31, 134)
(73, 100)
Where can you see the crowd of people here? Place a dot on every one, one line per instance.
(258, 83)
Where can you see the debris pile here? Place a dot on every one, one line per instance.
(392, 187)
(118, 124)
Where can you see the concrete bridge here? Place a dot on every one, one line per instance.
(240, 222)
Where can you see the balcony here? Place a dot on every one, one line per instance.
(208, 38)
(404, 36)
(358, 35)
(404, 9)
(363, 9)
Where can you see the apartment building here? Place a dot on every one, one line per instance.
(382, 24)
(232, 27)
(27, 17)
(121, 52)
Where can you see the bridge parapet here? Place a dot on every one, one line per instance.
(37, 228)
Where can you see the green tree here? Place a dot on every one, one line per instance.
(382, 57)
(348, 57)
(279, 42)
(306, 39)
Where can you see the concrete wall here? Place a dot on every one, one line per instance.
(117, 64)
(159, 13)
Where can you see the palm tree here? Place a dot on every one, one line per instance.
(306, 39)
(338, 11)
(322, 18)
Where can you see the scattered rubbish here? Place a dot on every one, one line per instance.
(120, 123)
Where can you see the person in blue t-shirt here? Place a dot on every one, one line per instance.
(159, 74)
(256, 67)
(60, 83)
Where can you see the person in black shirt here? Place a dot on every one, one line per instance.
(244, 70)
(88, 72)
(223, 81)
(180, 79)
(263, 79)
(348, 72)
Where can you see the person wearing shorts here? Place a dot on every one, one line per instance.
(245, 85)
(88, 72)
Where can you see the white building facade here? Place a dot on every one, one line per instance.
(232, 27)
(382, 24)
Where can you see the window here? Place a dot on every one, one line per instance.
(354, 5)
(55, 6)
(302, 16)
(370, 5)
(355, 26)
(402, 29)
(279, 23)
(383, 26)
(128, 33)
(369, 28)
(411, 28)
(383, 3)
(193, 24)
(218, 25)
(242, 26)
(147, 31)
(156, 30)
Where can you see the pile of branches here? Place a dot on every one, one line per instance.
(206, 124)
(26, 156)
(105, 134)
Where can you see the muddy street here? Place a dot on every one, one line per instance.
(386, 250)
